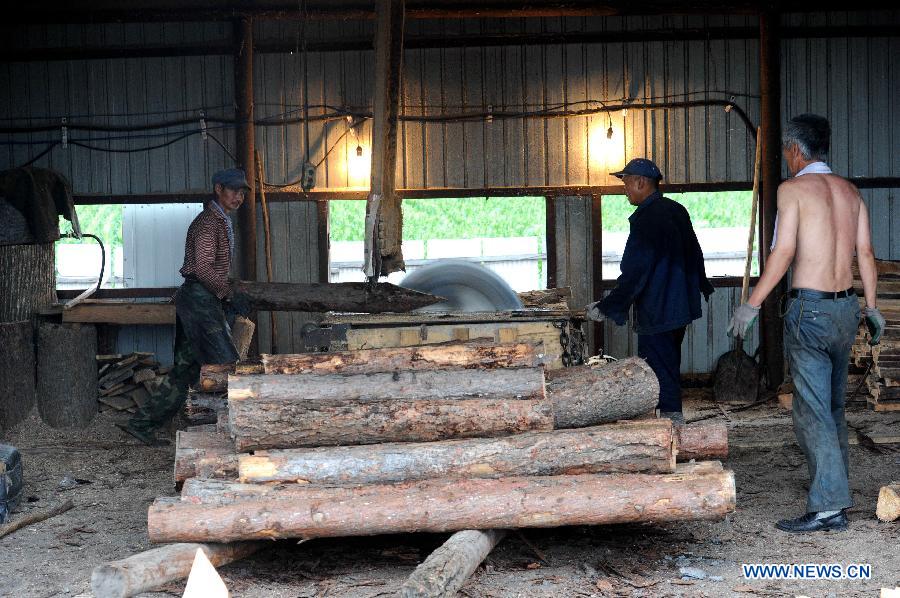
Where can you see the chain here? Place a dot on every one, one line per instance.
(571, 340)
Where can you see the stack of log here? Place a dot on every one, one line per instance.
(125, 381)
(875, 371)
(466, 437)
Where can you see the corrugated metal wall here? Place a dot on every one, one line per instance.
(854, 81)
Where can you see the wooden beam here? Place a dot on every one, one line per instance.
(245, 136)
(116, 312)
(550, 236)
(384, 218)
(770, 117)
(324, 241)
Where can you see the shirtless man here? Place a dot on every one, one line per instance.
(821, 222)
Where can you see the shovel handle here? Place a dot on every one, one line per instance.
(745, 284)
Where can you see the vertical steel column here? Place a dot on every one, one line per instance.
(770, 116)
(245, 141)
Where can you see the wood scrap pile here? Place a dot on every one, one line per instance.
(126, 381)
(458, 437)
(875, 371)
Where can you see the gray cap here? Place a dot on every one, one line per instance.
(233, 178)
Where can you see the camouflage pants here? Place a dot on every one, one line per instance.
(202, 335)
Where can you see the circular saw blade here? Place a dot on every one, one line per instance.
(465, 286)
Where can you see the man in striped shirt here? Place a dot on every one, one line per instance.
(205, 306)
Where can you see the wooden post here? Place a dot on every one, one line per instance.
(550, 226)
(384, 219)
(770, 115)
(596, 337)
(245, 142)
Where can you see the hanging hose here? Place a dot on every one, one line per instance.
(71, 235)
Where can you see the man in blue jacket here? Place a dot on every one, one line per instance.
(663, 275)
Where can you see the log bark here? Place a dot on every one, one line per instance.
(271, 411)
(298, 511)
(214, 376)
(701, 441)
(888, 507)
(359, 297)
(28, 280)
(67, 374)
(481, 355)
(204, 454)
(17, 372)
(586, 396)
(155, 568)
(446, 569)
(629, 447)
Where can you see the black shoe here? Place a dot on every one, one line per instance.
(145, 437)
(809, 523)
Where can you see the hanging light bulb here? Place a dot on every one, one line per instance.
(358, 151)
(609, 132)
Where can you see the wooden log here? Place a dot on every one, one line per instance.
(446, 569)
(479, 354)
(214, 376)
(301, 511)
(629, 447)
(28, 280)
(357, 297)
(547, 298)
(209, 491)
(888, 508)
(147, 571)
(701, 441)
(67, 374)
(17, 372)
(271, 411)
(205, 454)
(586, 396)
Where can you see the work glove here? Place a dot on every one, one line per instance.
(742, 320)
(592, 311)
(875, 323)
(239, 303)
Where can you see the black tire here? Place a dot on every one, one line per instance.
(466, 286)
(13, 483)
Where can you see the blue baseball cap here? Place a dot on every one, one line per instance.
(640, 167)
(233, 178)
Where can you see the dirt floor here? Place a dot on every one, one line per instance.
(112, 480)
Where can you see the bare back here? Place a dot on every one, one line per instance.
(827, 209)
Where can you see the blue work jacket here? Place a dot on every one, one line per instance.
(663, 273)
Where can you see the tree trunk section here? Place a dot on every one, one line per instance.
(888, 508)
(214, 376)
(701, 441)
(17, 372)
(28, 280)
(155, 568)
(299, 511)
(446, 569)
(585, 396)
(272, 411)
(67, 374)
(204, 454)
(357, 297)
(631, 447)
(472, 355)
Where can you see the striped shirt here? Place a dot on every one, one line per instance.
(207, 251)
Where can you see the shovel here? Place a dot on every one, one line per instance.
(737, 374)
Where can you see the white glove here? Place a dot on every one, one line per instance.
(742, 320)
(592, 311)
